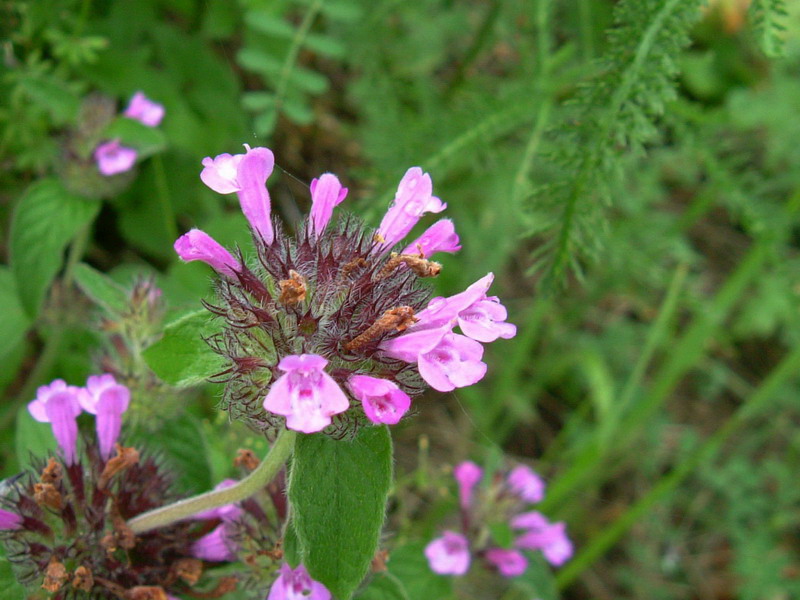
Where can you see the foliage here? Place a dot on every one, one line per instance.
(627, 169)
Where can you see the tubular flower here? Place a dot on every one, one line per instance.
(246, 174)
(198, 245)
(296, 584)
(144, 110)
(324, 331)
(107, 400)
(500, 505)
(113, 158)
(58, 404)
(449, 554)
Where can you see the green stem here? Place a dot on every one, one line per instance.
(172, 513)
(162, 189)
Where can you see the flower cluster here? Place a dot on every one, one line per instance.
(332, 328)
(500, 510)
(249, 531)
(111, 156)
(64, 524)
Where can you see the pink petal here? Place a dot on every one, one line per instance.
(412, 200)
(526, 484)
(383, 400)
(9, 520)
(410, 345)
(144, 110)
(449, 554)
(112, 402)
(439, 237)
(444, 311)
(326, 193)
(296, 584)
(252, 174)
(219, 173)
(510, 563)
(198, 245)
(216, 546)
(454, 362)
(60, 411)
(113, 158)
(467, 474)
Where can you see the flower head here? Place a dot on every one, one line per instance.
(144, 110)
(449, 554)
(58, 404)
(113, 158)
(323, 330)
(296, 584)
(107, 400)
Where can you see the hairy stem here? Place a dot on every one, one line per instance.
(172, 513)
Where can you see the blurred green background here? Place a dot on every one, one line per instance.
(629, 170)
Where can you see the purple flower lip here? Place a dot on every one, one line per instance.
(144, 110)
(113, 158)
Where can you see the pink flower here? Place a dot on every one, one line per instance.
(449, 554)
(9, 520)
(246, 174)
(326, 193)
(526, 484)
(296, 584)
(510, 563)
(106, 399)
(306, 395)
(383, 400)
(113, 158)
(413, 199)
(198, 245)
(58, 405)
(439, 237)
(467, 474)
(217, 546)
(540, 534)
(479, 316)
(445, 360)
(144, 110)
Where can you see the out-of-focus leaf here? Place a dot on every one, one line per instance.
(13, 320)
(33, 438)
(101, 289)
(45, 220)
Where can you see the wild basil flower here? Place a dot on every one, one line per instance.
(246, 174)
(296, 584)
(323, 330)
(449, 554)
(198, 245)
(63, 526)
(502, 506)
(144, 110)
(59, 405)
(107, 400)
(113, 158)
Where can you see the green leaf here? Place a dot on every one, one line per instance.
(338, 492)
(183, 443)
(33, 438)
(291, 545)
(45, 220)
(384, 586)
(182, 357)
(101, 289)
(13, 320)
(10, 589)
(146, 140)
(52, 94)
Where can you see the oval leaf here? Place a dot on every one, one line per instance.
(338, 492)
(182, 357)
(45, 220)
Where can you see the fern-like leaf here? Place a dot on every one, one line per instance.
(767, 19)
(614, 116)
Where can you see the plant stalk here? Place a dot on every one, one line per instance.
(266, 470)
